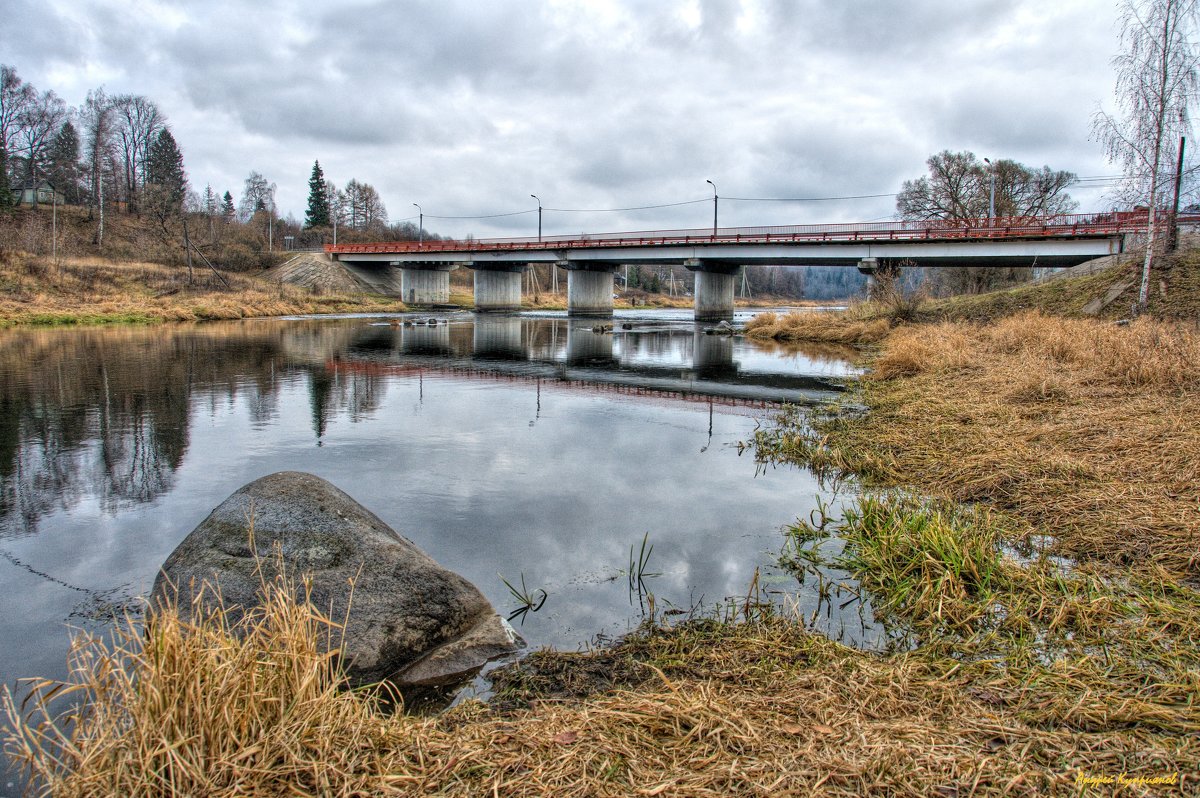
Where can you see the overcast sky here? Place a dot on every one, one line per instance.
(469, 107)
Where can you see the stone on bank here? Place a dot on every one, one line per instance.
(412, 622)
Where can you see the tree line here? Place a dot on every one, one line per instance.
(117, 153)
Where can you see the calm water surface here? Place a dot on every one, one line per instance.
(503, 446)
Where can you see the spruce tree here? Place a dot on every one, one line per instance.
(165, 170)
(228, 211)
(318, 201)
(63, 167)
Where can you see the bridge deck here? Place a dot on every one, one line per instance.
(1067, 226)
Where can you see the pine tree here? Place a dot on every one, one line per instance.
(165, 170)
(318, 201)
(228, 211)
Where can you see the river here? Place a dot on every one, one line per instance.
(507, 447)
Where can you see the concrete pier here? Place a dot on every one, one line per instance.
(425, 284)
(498, 337)
(498, 290)
(586, 347)
(712, 355)
(714, 289)
(590, 292)
(424, 340)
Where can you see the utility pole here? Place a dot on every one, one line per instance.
(991, 191)
(420, 225)
(539, 202)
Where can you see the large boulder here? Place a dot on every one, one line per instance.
(412, 622)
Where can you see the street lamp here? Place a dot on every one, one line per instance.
(420, 225)
(991, 191)
(714, 185)
(535, 196)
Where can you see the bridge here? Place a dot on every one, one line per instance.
(717, 255)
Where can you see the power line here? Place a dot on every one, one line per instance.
(486, 216)
(807, 199)
(635, 208)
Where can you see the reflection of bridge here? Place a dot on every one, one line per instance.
(586, 360)
(716, 256)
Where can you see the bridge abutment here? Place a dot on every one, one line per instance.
(498, 290)
(590, 291)
(714, 289)
(425, 284)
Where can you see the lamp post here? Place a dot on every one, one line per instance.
(420, 225)
(991, 191)
(539, 202)
(715, 198)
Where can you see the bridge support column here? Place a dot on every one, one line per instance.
(498, 337)
(712, 355)
(498, 291)
(425, 285)
(714, 289)
(590, 293)
(586, 347)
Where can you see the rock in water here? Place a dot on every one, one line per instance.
(412, 621)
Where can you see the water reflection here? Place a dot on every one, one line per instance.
(504, 446)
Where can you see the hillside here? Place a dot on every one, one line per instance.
(1106, 294)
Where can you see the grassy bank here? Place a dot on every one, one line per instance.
(35, 290)
(1106, 295)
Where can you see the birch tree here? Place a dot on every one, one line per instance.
(1156, 84)
(96, 117)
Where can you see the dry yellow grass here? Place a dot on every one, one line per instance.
(34, 290)
(817, 326)
(755, 708)
(1085, 429)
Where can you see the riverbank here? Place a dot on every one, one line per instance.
(36, 290)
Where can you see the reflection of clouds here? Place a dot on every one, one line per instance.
(113, 475)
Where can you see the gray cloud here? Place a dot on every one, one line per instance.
(468, 108)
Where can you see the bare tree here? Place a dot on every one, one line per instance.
(15, 95)
(1156, 82)
(38, 123)
(364, 207)
(959, 187)
(96, 118)
(139, 122)
(258, 194)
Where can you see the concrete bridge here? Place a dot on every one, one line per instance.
(717, 256)
(570, 354)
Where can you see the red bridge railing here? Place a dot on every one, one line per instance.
(1083, 225)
